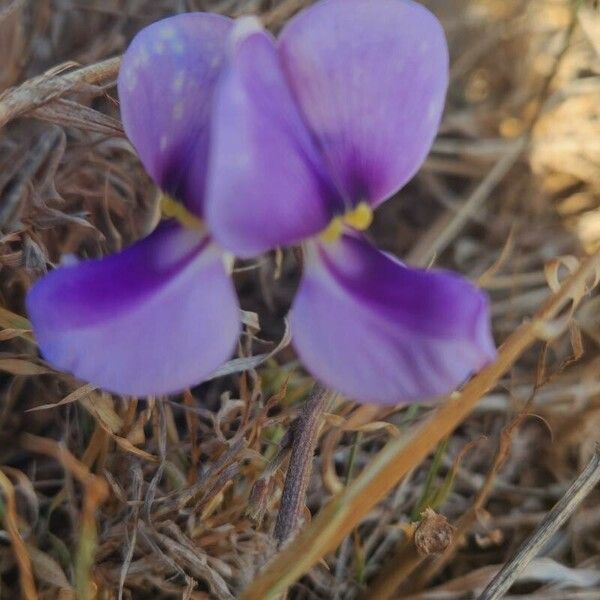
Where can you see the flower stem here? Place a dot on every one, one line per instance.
(305, 432)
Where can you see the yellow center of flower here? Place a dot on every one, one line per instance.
(359, 218)
(176, 210)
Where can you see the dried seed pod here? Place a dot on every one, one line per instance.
(434, 533)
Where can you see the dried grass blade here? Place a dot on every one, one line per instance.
(19, 366)
(38, 91)
(237, 365)
(49, 571)
(102, 410)
(79, 394)
(11, 320)
(70, 113)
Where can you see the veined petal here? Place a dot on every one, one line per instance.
(159, 317)
(380, 332)
(166, 85)
(265, 183)
(370, 79)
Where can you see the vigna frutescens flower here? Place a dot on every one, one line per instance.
(270, 143)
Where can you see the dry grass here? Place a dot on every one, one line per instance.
(104, 496)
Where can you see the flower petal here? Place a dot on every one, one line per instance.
(370, 79)
(265, 185)
(159, 317)
(166, 84)
(381, 332)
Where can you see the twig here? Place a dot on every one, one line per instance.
(543, 94)
(562, 510)
(305, 434)
(160, 429)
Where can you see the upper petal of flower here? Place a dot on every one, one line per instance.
(166, 84)
(380, 332)
(266, 185)
(370, 78)
(159, 317)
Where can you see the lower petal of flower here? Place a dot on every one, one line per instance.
(159, 317)
(380, 332)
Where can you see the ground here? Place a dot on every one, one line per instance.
(178, 497)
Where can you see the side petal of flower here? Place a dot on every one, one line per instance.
(380, 332)
(159, 317)
(370, 79)
(166, 85)
(264, 185)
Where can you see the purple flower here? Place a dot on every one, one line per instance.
(274, 143)
(309, 134)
